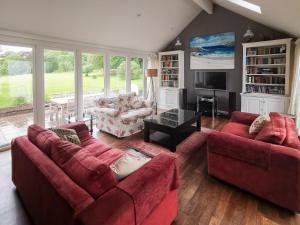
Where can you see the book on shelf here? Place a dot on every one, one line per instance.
(169, 57)
(263, 60)
(278, 90)
(262, 70)
(266, 50)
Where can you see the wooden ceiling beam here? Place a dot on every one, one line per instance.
(207, 5)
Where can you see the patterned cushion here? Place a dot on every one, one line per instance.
(258, 123)
(67, 134)
(136, 104)
(125, 101)
(109, 111)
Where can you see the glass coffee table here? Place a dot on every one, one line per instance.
(171, 127)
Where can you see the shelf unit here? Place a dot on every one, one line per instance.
(170, 78)
(266, 75)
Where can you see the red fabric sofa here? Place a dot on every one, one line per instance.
(268, 170)
(61, 183)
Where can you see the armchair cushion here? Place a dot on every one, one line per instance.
(239, 148)
(273, 131)
(109, 111)
(238, 129)
(134, 114)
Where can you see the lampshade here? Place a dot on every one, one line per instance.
(151, 73)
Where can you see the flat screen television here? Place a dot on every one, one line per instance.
(211, 80)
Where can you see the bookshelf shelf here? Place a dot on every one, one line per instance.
(266, 75)
(171, 77)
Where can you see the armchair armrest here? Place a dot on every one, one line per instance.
(243, 117)
(147, 103)
(247, 150)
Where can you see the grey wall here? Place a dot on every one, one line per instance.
(222, 20)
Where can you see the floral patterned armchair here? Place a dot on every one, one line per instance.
(122, 116)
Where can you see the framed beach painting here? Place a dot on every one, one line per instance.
(212, 51)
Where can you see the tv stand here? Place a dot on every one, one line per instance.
(207, 104)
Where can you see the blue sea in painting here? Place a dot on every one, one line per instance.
(213, 44)
(213, 51)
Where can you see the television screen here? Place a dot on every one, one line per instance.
(211, 80)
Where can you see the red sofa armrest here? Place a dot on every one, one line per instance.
(243, 117)
(115, 207)
(150, 184)
(43, 185)
(247, 150)
(135, 197)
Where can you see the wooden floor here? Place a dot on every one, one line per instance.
(202, 199)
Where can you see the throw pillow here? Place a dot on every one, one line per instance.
(127, 164)
(67, 134)
(258, 123)
(274, 131)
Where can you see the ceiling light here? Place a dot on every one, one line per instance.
(248, 5)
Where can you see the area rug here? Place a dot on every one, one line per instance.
(186, 149)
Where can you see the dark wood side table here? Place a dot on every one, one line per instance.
(172, 126)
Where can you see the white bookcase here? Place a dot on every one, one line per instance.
(170, 78)
(266, 76)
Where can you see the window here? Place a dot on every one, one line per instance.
(117, 75)
(93, 79)
(137, 76)
(16, 108)
(59, 86)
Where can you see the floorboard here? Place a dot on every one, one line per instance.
(202, 199)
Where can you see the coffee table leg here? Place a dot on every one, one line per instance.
(199, 123)
(146, 133)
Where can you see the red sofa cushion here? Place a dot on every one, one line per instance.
(273, 131)
(238, 129)
(62, 151)
(41, 137)
(291, 139)
(90, 173)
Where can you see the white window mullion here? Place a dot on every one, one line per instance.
(39, 86)
(78, 84)
(106, 62)
(128, 74)
(145, 66)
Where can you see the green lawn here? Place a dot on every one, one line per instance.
(17, 89)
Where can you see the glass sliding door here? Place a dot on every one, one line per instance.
(137, 76)
(93, 80)
(59, 78)
(117, 75)
(16, 103)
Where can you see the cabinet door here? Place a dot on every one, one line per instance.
(252, 105)
(172, 98)
(274, 105)
(162, 97)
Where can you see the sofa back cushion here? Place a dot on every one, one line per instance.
(274, 131)
(291, 139)
(41, 137)
(90, 173)
(62, 151)
(82, 167)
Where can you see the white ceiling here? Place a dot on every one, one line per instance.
(145, 25)
(283, 15)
